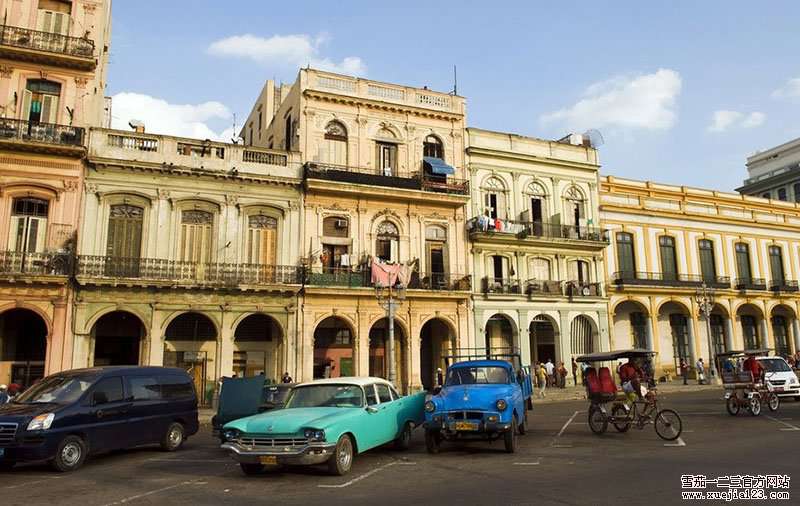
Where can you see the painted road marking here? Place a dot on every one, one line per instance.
(567, 424)
(156, 491)
(25, 484)
(368, 474)
(678, 442)
(228, 461)
(789, 426)
(527, 463)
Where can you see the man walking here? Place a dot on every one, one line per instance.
(550, 368)
(701, 371)
(574, 371)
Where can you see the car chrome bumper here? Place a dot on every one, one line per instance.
(312, 453)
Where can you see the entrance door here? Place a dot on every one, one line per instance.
(536, 216)
(680, 339)
(262, 241)
(543, 344)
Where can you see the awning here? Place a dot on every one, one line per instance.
(437, 166)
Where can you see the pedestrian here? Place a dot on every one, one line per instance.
(584, 368)
(797, 360)
(439, 377)
(542, 379)
(562, 375)
(701, 371)
(550, 368)
(574, 371)
(684, 371)
(286, 378)
(3, 394)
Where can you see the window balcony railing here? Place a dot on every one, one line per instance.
(544, 288)
(392, 178)
(657, 279)
(18, 263)
(361, 278)
(193, 273)
(783, 285)
(47, 133)
(577, 289)
(35, 40)
(502, 285)
(750, 284)
(534, 230)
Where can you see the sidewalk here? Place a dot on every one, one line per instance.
(572, 393)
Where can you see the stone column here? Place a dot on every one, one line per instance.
(225, 347)
(563, 344)
(692, 342)
(795, 341)
(525, 337)
(764, 333)
(604, 335)
(156, 341)
(729, 334)
(648, 332)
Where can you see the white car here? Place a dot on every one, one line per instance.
(780, 377)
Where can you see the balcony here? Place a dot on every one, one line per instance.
(502, 286)
(544, 288)
(659, 279)
(783, 285)
(169, 273)
(387, 178)
(21, 135)
(517, 231)
(577, 290)
(46, 48)
(750, 284)
(361, 278)
(25, 266)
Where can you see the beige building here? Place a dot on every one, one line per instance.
(537, 252)
(188, 256)
(53, 62)
(384, 181)
(669, 241)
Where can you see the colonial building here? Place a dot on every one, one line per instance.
(53, 56)
(774, 173)
(537, 252)
(188, 256)
(670, 241)
(384, 181)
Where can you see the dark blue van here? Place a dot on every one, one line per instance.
(67, 416)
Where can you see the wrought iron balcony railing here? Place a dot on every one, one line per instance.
(19, 263)
(536, 229)
(26, 38)
(194, 273)
(48, 133)
(394, 178)
(361, 278)
(576, 289)
(667, 279)
(750, 284)
(545, 288)
(783, 285)
(502, 285)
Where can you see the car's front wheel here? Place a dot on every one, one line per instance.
(510, 436)
(70, 454)
(173, 438)
(403, 441)
(342, 460)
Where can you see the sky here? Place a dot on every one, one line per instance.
(681, 91)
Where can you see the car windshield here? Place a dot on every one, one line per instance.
(276, 395)
(318, 396)
(775, 365)
(483, 375)
(56, 389)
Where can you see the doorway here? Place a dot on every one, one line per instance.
(117, 339)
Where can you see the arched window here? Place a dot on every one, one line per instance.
(669, 259)
(334, 145)
(433, 147)
(197, 234)
(387, 242)
(575, 208)
(540, 269)
(124, 231)
(537, 209)
(262, 239)
(386, 152)
(494, 198)
(626, 259)
(28, 225)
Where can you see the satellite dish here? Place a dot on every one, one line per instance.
(595, 137)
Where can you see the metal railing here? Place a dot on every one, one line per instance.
(46, 41)
(576, 289)
(414, 180)
(443, 184)
(783, 285)
(665, 279)
(211, 274)
(35, 264)
(49, 133)
(502, 285)
(750, 284)
(361, 278)
(544, 287)
(536, 229)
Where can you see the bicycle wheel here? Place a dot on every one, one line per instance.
(754, 405)
(733, 405)
(668, 425)
(598, 421)
(620, 418)
(773, 402)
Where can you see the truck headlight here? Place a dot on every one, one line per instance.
(430, 407)
(501, 405)
(42, 422)
(230, 434)
(314, 434)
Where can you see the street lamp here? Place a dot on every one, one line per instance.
(705, 302)
(390, 298)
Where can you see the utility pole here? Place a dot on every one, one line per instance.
(705, 302)
(390, 298)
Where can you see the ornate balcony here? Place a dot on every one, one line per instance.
(36, 137)
(544, 288)
(576, 290)
(518, 231)
(659, 279)
(20, 266)
(750, 284)
(170, 273)
(502, 285)
(783, 285)
(361, 278)
(388, 178)
(47, 48)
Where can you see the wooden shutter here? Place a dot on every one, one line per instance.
(49, 109)
(27, 98)
(125, 232)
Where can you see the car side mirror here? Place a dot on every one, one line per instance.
(372, 410)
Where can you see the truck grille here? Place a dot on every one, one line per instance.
(257, 442)
(777, 383)
(465, 415)
(7, 433)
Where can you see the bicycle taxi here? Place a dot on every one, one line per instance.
(742, 389)
(610, 404)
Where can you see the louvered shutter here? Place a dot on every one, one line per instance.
(27, 97)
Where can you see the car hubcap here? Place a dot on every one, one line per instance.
(70, 454)
(345, 455)
(175, 437)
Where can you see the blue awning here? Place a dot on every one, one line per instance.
(437, 166)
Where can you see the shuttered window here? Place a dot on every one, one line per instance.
(625, 255)
(743, 261)
(28, 225)
(334, 144)
(776, 263)
(196, 236)
(40, 101)
(262, 237)
(707, 265)
(669, 262)
(540, 269)
(124, 231)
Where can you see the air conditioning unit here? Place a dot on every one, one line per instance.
(340, 224)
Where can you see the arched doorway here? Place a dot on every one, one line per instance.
(782, 317)
(333, 349)
(190, 343)
(257, 344)
(543, 340)
(117, 339)
(379, 352)
(753, 329)
(437, 340)
(674, 321)
(582, 335)
(718, 322)
(499, 334)
(631, 322)
(23, 347)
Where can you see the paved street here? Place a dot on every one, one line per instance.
(559, 461)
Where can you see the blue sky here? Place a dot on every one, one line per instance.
(682, 91)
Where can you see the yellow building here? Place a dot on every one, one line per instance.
(667, 242)
(53, 61)
(384, 180)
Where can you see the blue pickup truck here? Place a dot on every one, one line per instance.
(481, 399)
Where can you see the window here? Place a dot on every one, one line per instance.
(383, 393)
(287, 133)
(436, 251)
(717, 333)
(575, 208)
(144, 388)
(540, 269)
(782, 194)
(708, 267)
(28, 225)
(625, 255)
(334, 144)
(124, 231)
(40, 101)
(432, 147)
(176, 387)
(262, 239)
(372, 397)
(499, 268)
(766, 195)
(196, 235)
(669, 262)
(494, 198)
(54, 16)
(796, 192)
(387, 158)
(776, 264)
(679, 325)
(535, 194)
(750, 332)
(579, 272)
(387, 243)
(639, 330)
(108, 390)
(743, 261)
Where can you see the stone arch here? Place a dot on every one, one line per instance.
(378, 350)
(92, 320)
(683, 304)
(437, 338)
(332, 355)
(543, 335)
(641, 302)
(118, 338)
(259, 339)
(584, 334)
(496, 336)
(30, 307)
(24, 345)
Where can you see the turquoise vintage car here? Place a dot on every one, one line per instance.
(326, 421)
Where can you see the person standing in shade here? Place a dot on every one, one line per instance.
(286, 378)
(701, 371)
(684, 367)
(561, 372)
(439, 377)
(574, 371)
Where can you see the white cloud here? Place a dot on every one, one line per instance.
(159, 116)
(288, 50)
(723, 120)
(791, 89)
(628, 102)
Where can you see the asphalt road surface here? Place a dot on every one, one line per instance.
(559, 461)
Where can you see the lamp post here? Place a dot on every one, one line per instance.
(390, 298)
(705, 302)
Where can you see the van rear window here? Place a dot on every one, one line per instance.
(145, 388)
(176, 387)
